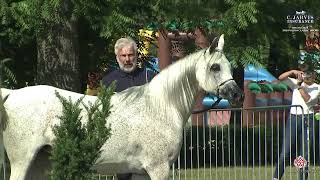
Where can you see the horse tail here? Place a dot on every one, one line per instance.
(4, 94)
(3, 121)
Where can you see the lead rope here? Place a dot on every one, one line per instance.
(147, 76)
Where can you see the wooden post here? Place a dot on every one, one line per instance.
(164, 49)
(165, 59)
(201, 39)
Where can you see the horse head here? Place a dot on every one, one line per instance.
(214, 74)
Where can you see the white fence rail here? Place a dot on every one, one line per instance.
(248, 145)
(244, 144)
(225, 144)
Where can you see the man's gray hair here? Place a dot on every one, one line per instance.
(123, 42)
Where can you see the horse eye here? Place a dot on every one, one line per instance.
(215, 67)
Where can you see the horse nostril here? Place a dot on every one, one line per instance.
(238, 96)
(242, 97)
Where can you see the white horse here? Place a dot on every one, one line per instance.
(147, 121)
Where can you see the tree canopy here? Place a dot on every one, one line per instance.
(253, 28)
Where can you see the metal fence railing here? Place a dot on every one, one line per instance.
(244, 144)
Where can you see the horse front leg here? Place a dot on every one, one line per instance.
(20, 168)
(21, 157)
(159, 171)
(140, 177)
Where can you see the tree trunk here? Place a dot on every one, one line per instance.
(58, 57)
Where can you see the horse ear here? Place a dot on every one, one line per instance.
(220, 43)
(213, 45)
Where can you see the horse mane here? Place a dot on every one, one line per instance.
(174, 88)
(128, 96)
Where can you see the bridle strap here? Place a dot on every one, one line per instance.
(219, 98)
(216, 102)
(231, 79)
(223, 83)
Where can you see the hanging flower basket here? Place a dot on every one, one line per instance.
(266, 87)
(279, 87)
(254, 87)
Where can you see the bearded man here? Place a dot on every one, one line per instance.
(128, 74)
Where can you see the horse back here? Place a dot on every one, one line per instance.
(32, 111)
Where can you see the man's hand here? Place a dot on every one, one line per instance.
(298, 74)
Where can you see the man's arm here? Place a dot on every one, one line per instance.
(313, 96)
(291, 82)
(296, 73)
(306, 97)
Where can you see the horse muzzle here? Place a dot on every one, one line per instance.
(232, 93)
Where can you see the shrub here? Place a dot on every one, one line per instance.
(77, 145)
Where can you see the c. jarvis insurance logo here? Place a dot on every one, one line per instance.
(300, 18)
(301, 21)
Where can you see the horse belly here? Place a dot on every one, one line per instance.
(119, 157)
(133, 147)
(119, 154)
(110, 168)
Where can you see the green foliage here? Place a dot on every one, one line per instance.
(25, 20)
(7, 76)
(252, 28)
(115, 23)
(279, 87)
(260, 87)
(254, 87)
(265, 87)
(239, 16)
(77, 145)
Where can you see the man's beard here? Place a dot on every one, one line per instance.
(128, 69)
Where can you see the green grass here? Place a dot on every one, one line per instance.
(237, 173)
(244, 173)
(226, 173)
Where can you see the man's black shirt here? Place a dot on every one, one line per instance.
(125, 80)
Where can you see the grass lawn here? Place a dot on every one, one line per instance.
(237, 173)
(244, 173)
(226, 173)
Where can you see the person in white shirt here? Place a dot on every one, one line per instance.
(299, 126)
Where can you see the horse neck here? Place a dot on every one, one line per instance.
(177, 86)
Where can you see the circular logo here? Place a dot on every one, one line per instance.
(300, 162)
